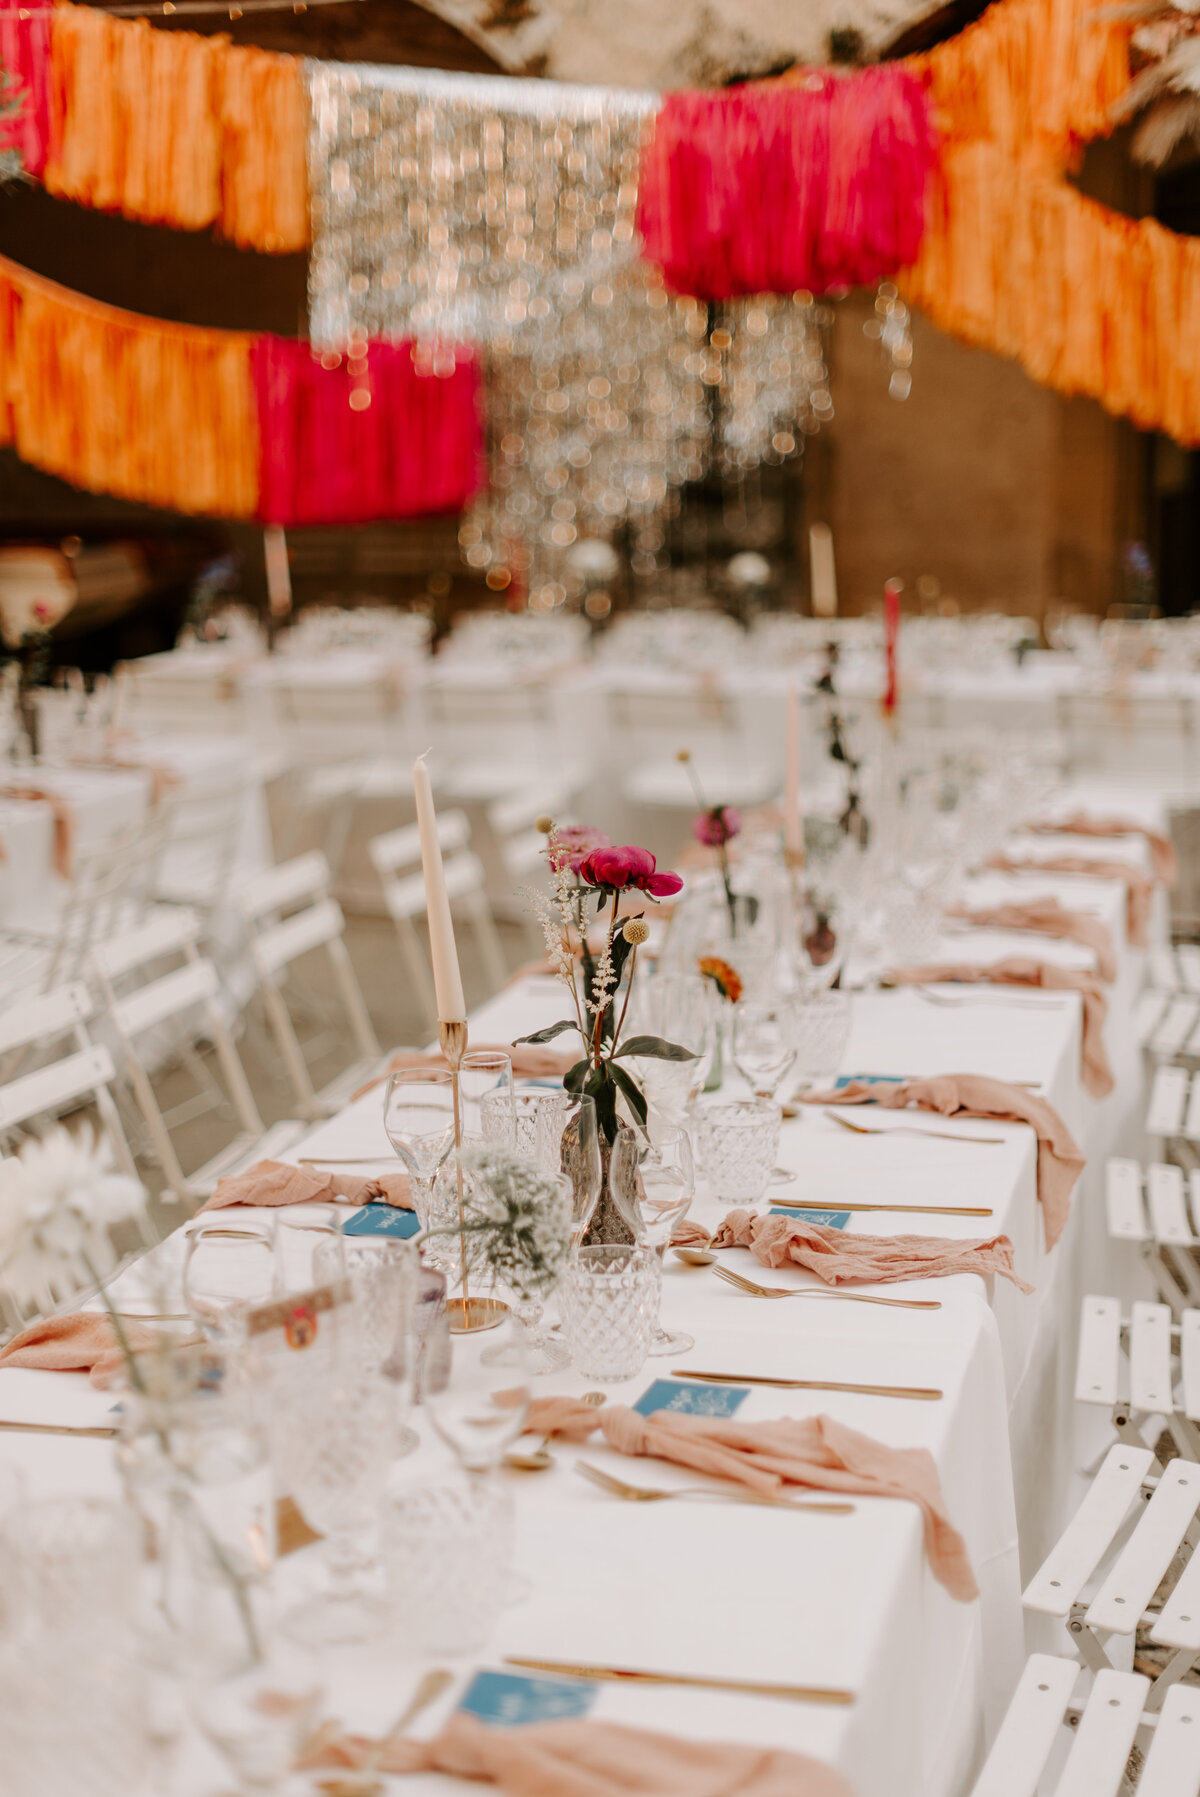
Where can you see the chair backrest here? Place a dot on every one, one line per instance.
(289, 913)
(193, 695)
(142, 996)
(63, 1079)
(516, 701)
(201, 824)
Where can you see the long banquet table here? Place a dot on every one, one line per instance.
(818, 1600)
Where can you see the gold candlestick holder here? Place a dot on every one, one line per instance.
(465, 1314)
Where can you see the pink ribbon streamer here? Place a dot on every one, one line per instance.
(768, 189)
(25, 57)
(345, 440)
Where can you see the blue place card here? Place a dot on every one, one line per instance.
(828, 1219)
(691, 1400)
(511, 1699)
(868, 1079)
(382, 1219)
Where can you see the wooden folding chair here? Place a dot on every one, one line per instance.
(1105, 1725)
(396, 857)
(1141, 1366)
(1101, 1577)
(289, 913)
(143, 998)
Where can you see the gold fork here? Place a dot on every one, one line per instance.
(652, 1494)
(782, 1291)
(908, 1129)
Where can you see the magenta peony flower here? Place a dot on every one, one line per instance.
(573, 843)
(717, 827)
(619, 869)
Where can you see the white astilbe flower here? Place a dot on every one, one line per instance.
(520, 1219)
(558, 952)
(59, 1198)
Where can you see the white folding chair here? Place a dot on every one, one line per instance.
(1104, 1728)
(1102, 1575)
(1173, 1113)
(1158, 1210)
(654, 724)
(289, 913)
(396, 857)
(1121, 730)
(1142, 1366)
(73, 1072)
(519, 855)
(145, 997)
(200, 828)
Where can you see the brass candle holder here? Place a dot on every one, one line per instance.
(465, 1314)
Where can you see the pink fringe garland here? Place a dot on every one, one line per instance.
(346, 440)
(769, 189)
(25, 58)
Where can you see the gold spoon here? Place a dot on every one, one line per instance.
(697, 1257)
(364, 1780)
(540, 1459)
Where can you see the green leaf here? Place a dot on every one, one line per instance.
(653, 1048)
(574, 1077)
(551, 1030)
(633, 1095)
(600, 1087)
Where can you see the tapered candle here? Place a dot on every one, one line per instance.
(821, 571)
(793, 819)
(892, 590)
(447, 979)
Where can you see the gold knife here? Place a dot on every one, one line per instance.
(871, 1391)
(96, 1434)
(631, 1675)
(917, 1210)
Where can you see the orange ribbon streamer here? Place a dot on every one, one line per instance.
(177, 129)
(117, 403)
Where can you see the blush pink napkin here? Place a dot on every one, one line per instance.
(84, 1341)
(816, 1452)
(974, 1095)
(589, 1759)
(1046, 917)
(1015, 970)
(1139, 887)
(841, 1259)
(64, 823)
(529, 1061)
(1163, 858)
(271, 1183)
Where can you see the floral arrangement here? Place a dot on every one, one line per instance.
(852, 822)
(12, 108)
(586, 867)
(715, 826)
(515, 1221)
(59, 1198)
(726, 979)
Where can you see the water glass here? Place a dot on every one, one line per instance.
(382, 1275)
(485, 1087)
(448, 1550)
(533, 1137)
(739, 1140)
(764, 1044)
(822, 1031)
(610, 1305)
(228, 1266)
(653, 1183)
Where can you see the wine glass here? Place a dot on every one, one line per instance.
(227, 1267)
(477, 1408)
(418, 1117)
(333, 1424)
(764, 1044)
(653, 1182)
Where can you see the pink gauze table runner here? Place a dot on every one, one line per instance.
(1046, 917)
(1059, 1161)
(1163, 858)
(271, 1183)
(587, 1759)
(1015, 970)
(1139, 887)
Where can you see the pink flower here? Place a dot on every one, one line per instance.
(717, 827)
(619, 869)
(573, 843)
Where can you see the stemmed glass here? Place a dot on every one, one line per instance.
(227, 1267)
(476, 1408)
(333, 1424)
(383, 1275)
(764, 1045)
(418, 1118)
(653, 1182)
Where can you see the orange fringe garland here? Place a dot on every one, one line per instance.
(1014, 259)
(177, 129)
(116, 403)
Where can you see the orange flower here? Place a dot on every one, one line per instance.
(725, 978)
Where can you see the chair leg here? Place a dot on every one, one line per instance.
(356, 1004)
(418, 968)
